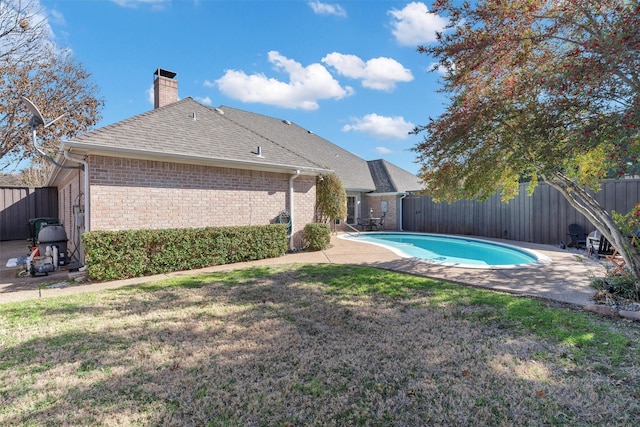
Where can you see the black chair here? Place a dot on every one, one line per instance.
(578, 236)
(608, 251)
(605, 248)
(363, 225)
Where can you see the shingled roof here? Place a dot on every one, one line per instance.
(352, 170)
(189, 131)
(389, 178)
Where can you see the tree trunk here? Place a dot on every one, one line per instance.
(600, 218)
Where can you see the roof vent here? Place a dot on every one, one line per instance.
(258, 152)
(311, 132)
(219, 111)
(286, 122)
(194, 116)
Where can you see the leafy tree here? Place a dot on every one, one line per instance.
(539, 89)
(331, 199)
(37, 174)
(9, 180)
(32, 66)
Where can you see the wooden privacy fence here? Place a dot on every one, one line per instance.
(540, 218)
(19, 204)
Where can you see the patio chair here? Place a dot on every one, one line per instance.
(605, 247)
(610, 253)
(578, 236)
(380, 225)
(363, 225)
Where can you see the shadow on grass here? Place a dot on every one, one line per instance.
(323, 344)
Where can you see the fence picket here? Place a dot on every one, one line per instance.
(543, 217)
(19, 204)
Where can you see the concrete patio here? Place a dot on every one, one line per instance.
(566, 279)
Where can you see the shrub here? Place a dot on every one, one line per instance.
(317, 236)
(331, 199)
(622, 286)
(111, 255)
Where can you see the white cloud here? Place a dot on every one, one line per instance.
(150, 95)
(327, 9)
(414, 25)
(306, 85)
(57, 17)
(383, 150)
(381, 127)
(206, 100)
(377, 73)
(155, 4)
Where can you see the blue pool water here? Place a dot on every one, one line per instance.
(450, 250)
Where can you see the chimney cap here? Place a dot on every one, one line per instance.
(164, 73)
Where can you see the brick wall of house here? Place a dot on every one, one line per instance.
(391, 221)
(367, 202)
(135, 194)
(70, 194)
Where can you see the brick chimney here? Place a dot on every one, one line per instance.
(165, 88)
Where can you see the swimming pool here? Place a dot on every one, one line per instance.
(452, 250)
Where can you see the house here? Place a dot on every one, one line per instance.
(370, 185)
(184, 164)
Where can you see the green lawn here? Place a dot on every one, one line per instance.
(313, 345)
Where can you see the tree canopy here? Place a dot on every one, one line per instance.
(539, 89)
(32, 66)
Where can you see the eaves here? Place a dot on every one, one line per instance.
(395, 193)
(83, 149)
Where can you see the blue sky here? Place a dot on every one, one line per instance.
(349, 71)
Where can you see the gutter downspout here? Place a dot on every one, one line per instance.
(85, 167)
(400, 216)
(291, 215)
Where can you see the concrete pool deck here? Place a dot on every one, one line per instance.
(566, 279)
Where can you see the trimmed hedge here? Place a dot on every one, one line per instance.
(112, 255)
(317, 236)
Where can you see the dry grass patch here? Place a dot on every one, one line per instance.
(313, 345)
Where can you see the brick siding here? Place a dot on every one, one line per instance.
(71, 193)
(135, 194)
(391, 216)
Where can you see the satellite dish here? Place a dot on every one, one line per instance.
(37, 118)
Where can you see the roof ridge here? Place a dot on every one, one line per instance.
(381, 177)
(288, 122)
(389, 175)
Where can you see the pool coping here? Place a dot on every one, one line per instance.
(541, 259)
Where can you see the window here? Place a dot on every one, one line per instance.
(351, 210)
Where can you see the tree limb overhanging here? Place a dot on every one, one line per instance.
(539, 89)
